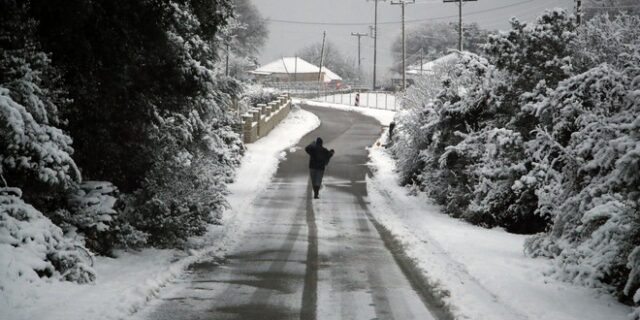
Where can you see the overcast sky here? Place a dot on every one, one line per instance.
(285, 39)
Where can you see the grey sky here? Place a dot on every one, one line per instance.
(286, 39)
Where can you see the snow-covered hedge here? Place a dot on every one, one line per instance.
(157, 123)
(195, 149)
(542, 134)
(591, 149)
(254, 94)
(31, 246)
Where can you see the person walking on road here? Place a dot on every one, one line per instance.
(319, 158)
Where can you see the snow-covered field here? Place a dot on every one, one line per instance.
(480, 273)
(127, 283)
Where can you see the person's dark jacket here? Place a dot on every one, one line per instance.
(319, 156)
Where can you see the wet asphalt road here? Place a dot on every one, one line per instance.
(303, 258)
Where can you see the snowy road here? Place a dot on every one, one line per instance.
(302, 258)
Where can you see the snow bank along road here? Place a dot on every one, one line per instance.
(307, 259)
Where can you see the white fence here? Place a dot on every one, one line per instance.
(376, 100)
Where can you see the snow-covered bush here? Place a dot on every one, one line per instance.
(502, 193)
(592, 153)
(91, 214)
(254, 94)
(467, 142)
(605, 39)
(417, 121)
(542, 135)
(195, 150)
(185, 192)
(463, 108)
(31, 246)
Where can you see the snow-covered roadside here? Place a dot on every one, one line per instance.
(127, 283)
(480, 273)
(383, 116)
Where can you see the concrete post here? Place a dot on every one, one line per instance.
(262, 107)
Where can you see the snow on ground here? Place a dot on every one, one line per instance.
(481, 273)
(383, 116)
(127, 283)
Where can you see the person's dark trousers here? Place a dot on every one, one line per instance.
(316, 181)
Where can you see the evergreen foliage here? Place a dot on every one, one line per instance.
(541, 136)
(131, 94)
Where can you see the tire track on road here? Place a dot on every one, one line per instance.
(308, 310)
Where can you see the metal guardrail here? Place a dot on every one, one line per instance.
(376, 99)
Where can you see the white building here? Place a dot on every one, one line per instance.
(430, 67)
(294, 69)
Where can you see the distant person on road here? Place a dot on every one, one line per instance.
(319, 159)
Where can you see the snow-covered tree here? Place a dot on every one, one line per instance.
(606, 39)
(195, 148)
(464, 163)
(593, 144)
(542, 136)
(431, 40)
(334, 59)
(33, 151)
(593, 8)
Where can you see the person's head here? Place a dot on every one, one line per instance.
(319, 142)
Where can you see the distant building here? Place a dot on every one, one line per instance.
(294, 69)
(429, 68)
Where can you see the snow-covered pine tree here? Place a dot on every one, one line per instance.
(35, 156)
(34, 153)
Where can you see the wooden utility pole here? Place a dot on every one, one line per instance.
(460, 27)
(403, 4)
(375, 40)
(324, 35)
(421, 60)
(226, 66)
(359, 35)
(579, 11)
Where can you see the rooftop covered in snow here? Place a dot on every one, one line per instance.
(417, 69)
(293, 66)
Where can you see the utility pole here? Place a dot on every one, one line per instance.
(226, 66)
(295, 70)
(460, 27)
(579, 11)
(359, 35)
(403, 4)
(375, 40)
(421, 60)
(324, 35)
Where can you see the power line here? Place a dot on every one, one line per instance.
(617, 7)
(397, 22)
(518, 14)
